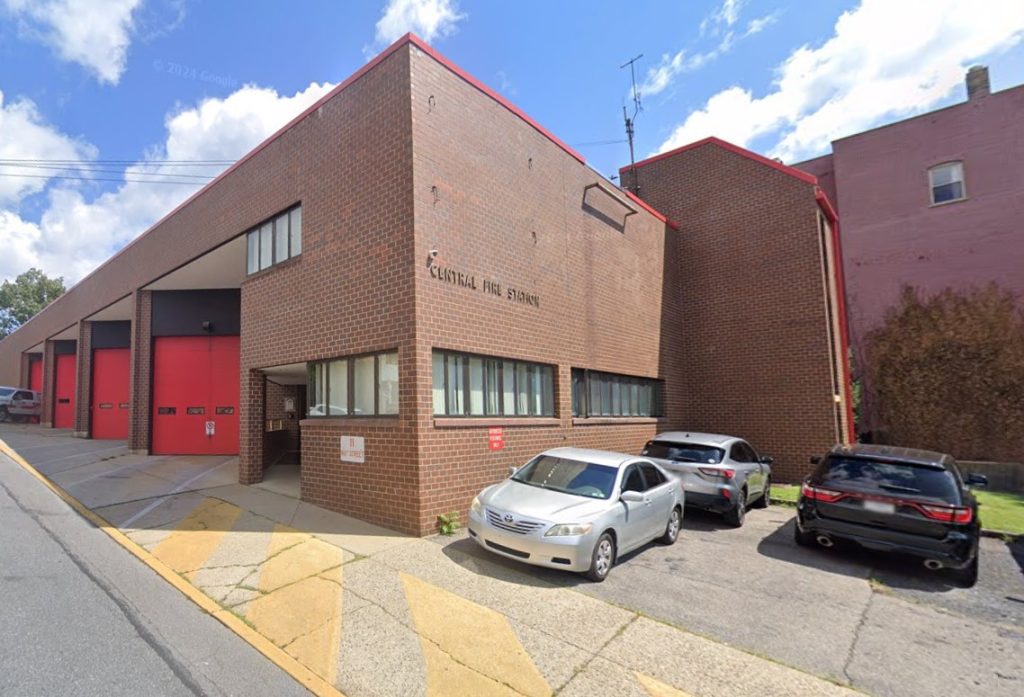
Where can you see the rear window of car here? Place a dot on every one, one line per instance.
(889, 478)
(683, 452)
(6, 391)
(568, 476)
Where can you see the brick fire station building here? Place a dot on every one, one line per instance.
(413, 285)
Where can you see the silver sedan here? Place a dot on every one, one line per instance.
(578, 510)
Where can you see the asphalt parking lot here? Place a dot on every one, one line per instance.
(881, 624)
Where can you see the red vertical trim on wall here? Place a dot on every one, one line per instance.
(844, 331)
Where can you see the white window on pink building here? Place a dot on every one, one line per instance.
(947, 182)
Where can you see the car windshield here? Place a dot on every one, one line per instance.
(6, 391)
(683, 452)
(568, 476)
(892, 478)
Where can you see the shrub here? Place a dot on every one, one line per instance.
(947, 373)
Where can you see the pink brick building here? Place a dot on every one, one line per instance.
(933, 201)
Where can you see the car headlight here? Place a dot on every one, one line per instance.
(476, 507)
(568, 530)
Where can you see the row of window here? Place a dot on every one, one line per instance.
(471, 385)
(276, 240)
(358, 386)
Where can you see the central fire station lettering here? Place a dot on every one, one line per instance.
(465, 280)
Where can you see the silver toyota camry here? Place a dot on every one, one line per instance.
(578, 510)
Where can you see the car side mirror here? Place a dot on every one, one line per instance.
(767, 460)
(815, 459)
(631, 496)
(512, 470)
(976, 480)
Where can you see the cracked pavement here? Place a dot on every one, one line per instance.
(723, 612)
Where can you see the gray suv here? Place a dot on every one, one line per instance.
(723, 474)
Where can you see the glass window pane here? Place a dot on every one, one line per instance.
(364, 387)
(456, 386)
(337, 375)
(547, 391)
(508, 389)
(317, 394)
(438, 382)
(476, 386)
(387, 387)
(522, 390)
(252, 264)
(616, 397)
(634, 391)
(492, 370)
(594, 405)
(577, 391)
(296, 230)
(536, 391)
(645, 399)
(281, 238)
(266, 246)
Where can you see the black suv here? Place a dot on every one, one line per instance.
(893, 499)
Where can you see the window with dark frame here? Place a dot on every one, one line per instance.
(274, 241)
(362, 385)
(607, 394)
(471, 385)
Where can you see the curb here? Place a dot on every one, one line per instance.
(300, 673)
(985, 532)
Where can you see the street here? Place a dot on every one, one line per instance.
(83, 617)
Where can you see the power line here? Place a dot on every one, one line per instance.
(177, 163)
(599, 142)
(123, 180)
(58, 168)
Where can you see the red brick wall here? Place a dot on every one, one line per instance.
(83, 398)
(350, 292)
(48, 376)
(506, 205)
(754, 325)
(140, 414)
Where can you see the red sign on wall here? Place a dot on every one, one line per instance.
(495, 438)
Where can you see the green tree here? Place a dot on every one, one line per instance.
(26, 295)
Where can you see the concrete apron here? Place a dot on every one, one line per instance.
(376, 613)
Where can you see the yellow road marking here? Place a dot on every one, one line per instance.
(303, 675)
(196, 537)
(463, 642)
(656, 688)
(302, 609)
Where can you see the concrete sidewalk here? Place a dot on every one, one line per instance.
(376, 613)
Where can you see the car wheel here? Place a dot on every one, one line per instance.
(738, 513)
(765, 499)
(967, 576)
(672, 529)
(602, 558)
(3, 413)
(804, 539)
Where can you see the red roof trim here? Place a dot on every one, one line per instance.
(647, 207)
(430, 51)
(750, 155)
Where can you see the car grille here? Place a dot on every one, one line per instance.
(519, 527)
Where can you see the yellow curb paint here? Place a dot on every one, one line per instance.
(300, 673)
(302, 609)
(197, 536)
(460, 637)
(656, 688)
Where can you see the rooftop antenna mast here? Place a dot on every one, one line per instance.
(629, 122)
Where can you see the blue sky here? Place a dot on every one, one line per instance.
(91, 82)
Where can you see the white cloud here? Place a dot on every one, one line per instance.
(885, 60)
(93, 33)
(24, 135)
(75, 233)
(759, 24)
(725, 16)
(429, 19)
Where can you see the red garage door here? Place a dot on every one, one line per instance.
(35, 375)
(64, 384)
(110, 394)
(195, 395)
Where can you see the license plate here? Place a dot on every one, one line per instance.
(879, 507)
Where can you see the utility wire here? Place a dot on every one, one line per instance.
(179, 163)
(102, 179)
(58, 168)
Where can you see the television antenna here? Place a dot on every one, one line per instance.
(630, 120)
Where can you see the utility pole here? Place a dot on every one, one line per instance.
(630, 120)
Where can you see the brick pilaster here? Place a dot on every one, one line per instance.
(139, 416)
(83, 390)
(251, 425)
(48, 377)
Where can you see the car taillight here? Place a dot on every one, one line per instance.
(818, 494)
(715, 472)
(946, 514)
